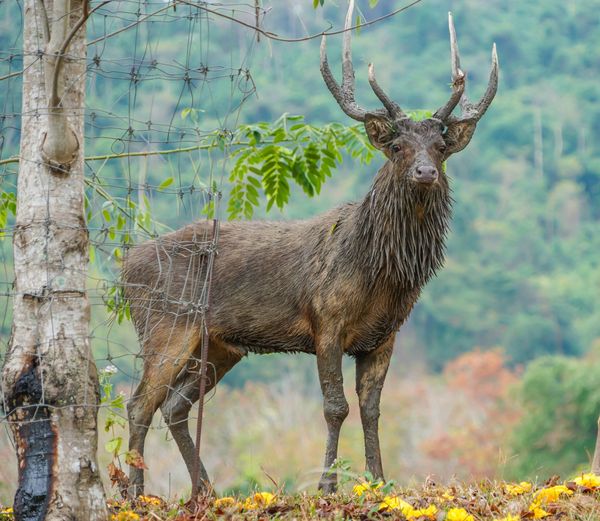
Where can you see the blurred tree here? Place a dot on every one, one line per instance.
(561, 403)
(479, 429)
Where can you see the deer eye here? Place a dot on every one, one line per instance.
(396, 149)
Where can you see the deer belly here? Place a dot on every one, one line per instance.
(364, 340)
(262, 343)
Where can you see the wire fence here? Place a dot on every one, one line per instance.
(166, 86)
(165, 89)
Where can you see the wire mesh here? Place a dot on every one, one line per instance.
(164, 93)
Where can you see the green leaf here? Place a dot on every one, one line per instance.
(114, 446)
(276, 156)
(254, 181)
(118, 402)
(167, 182)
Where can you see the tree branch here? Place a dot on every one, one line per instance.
(104, 157)
(45, 25)
(274, 36)
(54, 101)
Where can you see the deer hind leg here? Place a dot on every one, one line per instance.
(185, 392)
(335, 406)
(371, 369)
(165, 353)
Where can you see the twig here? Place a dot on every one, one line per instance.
(63, 48)
(133, 24)
(11, 75)
(107, 197)
(45, 24)
(104, 157)
(274, 36)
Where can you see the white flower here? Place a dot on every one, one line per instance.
(110, 369)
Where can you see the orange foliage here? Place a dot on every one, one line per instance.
(481, 375)
(482, 418)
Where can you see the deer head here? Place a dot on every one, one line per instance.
(417, 148)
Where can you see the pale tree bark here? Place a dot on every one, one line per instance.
(49, 379)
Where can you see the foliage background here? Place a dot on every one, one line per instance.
(522, 276)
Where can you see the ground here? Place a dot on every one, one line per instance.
(577, 499)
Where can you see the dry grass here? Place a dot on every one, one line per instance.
(486, 500)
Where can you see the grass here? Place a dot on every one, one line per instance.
(577, 500)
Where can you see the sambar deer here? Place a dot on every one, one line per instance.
(340, 283)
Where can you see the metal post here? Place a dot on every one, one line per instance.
(203, 362)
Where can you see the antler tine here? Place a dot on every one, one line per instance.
(469, 111)
(344, 95)
(347, 68)
(492, 87)
(344, 98)
(457, 72)
(392, 107)
(458, 78)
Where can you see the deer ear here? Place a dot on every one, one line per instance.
(379, 130)
(458, 134)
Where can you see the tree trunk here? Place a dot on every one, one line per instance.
(49, 379)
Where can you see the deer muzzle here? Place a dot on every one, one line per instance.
(426, 175)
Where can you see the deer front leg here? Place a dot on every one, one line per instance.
(371, 369)
(335, 406)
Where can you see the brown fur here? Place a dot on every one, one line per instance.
(339, 283)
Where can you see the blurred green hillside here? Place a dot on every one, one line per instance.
(522, 270)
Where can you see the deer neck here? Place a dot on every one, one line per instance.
(402, 229)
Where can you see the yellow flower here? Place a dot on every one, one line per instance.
(447, 496)
(6, 513)
(509, 517)
(430, 513)
(517, 489)
(551, 494)
(458, 514)
(149, 500)
(588, 480)
(126, 515)
(225, 502)
(259, 500)
(366, 487)
(396, 503)
(538, 513)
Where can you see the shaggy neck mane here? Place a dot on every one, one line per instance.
(402, 229)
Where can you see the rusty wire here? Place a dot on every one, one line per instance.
(118, 123)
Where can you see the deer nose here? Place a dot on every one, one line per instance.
(426, 174)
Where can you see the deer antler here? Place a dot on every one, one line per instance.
(469, 110)
(344, 95)
(392, 107)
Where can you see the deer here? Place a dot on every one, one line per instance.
(341, 283)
